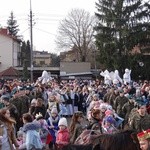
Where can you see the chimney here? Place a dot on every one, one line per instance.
(4, 31)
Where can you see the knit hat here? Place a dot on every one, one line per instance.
(109, 112)
(63, 121)
(109, 119)
(54, 110)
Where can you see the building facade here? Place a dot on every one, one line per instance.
(41, 58)
(9, 50)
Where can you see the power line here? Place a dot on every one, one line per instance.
(50, 15)
(45, 31)
(24, 30)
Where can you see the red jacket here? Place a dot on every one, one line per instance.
(62, 138)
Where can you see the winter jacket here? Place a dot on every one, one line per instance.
(140, 123)
(119, 102)
(126, 109)
(43, 130)
(10, 134)
(62, 138)
(33, 140)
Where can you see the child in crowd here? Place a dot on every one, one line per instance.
(20, 138)
(43, 128)
(53, 126)
(62, 138)
(76, 126)
(32, 137)
(108, 125)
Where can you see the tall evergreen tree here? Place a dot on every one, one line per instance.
(55, 60)
(25, 58)
(123, 24)
(25, 53)
(12, 25)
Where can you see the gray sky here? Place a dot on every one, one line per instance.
(46, 16)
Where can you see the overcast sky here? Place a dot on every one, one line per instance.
(46, 16)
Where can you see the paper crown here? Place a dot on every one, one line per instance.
(143, 135)
(38, 116)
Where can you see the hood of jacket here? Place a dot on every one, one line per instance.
(31, 126)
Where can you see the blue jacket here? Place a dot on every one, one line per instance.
(33, 139)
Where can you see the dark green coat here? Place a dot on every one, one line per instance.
(119, 102)
(140, 123)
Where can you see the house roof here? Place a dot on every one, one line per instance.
(10, 72)
(4, 32)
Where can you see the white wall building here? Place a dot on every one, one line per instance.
(9, 50)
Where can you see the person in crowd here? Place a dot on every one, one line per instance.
(38, 92)
(39, 108)
(32, 136)
(32, 106)
(112, 97)
(119, 102)
(76, 98)
(20, 138)
(67, 96)
(25, 102)
(95, 121)
(13, 111)
(62, 104)
(76, 127)
(141, 120)
(52, 102)
(53, 126)
(103, 108)
(62, 138)
(1, 101)
(108, 125)
(7, 133)
(127, 107)
(83, 97)
(100, 92)
(6, 90)
(12, 108)
(144, 139)
(107, 95)
(43, 128)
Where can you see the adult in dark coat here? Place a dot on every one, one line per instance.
(141, 119)
(39, 108)
(126, 109)
(119, 102)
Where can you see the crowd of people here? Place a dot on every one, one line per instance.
(36, 116)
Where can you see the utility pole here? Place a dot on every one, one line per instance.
(31, 43)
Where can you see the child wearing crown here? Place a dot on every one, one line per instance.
(43, 128)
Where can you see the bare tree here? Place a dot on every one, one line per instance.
(76, 31)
